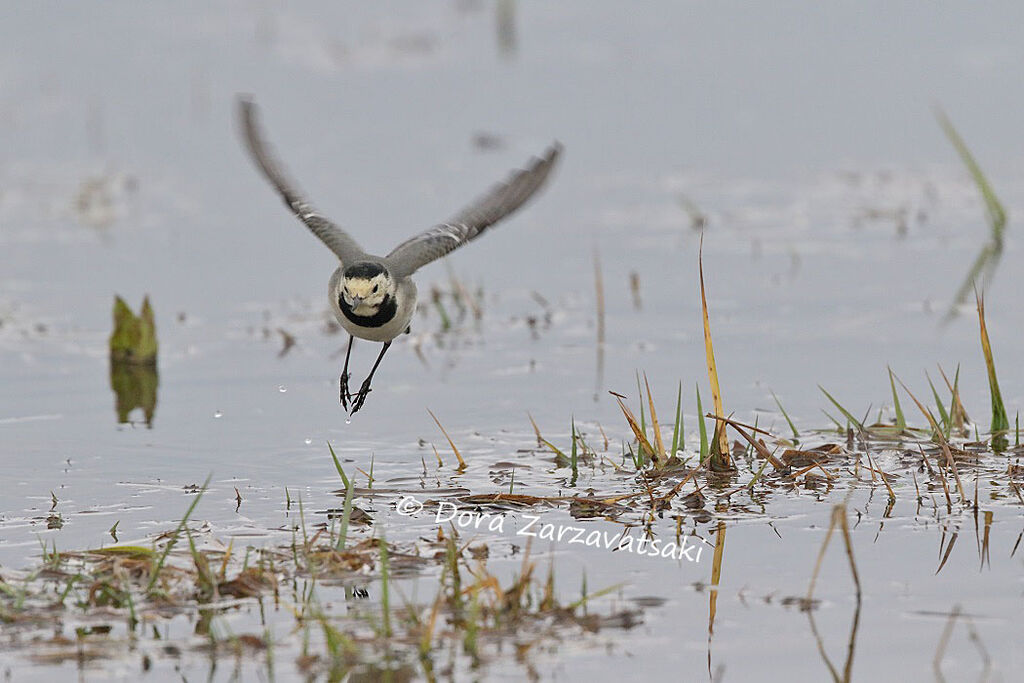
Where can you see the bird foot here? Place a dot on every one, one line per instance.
(344, 395)
(360, 398)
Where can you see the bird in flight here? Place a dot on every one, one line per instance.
(374, 297)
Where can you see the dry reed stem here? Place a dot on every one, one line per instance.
(458, 456)
(709, 351)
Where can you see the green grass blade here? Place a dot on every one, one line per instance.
(901, 420)
(956, 417)
(573, 453)
(703, 428)
(677, 430)
(346, 516)
(561, 459)
(346, 510)
(337, 465)
(573, 456)
(796, 434)
(836, 422)
(757, 475)
(1000, 421)
(943, 415)
(174, 537)
(842, 410)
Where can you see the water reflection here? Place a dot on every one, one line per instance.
(838, 521)
(133, 357)
(134, 387)
(506, 20)
(837, 676)
(716, 576)
(984, 266)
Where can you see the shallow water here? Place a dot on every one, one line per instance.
(839, 225)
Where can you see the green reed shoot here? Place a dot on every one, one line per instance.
(844, 411)
(573, 452)
(749, 450)
(1000, 422)
(944, 418)
(561, 459)
(839, 426)
(957, 414)
(346, 512)
(796, 434)
(702, 426)
(678, 440)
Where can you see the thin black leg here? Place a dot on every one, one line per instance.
(344, 375)
(360, 398)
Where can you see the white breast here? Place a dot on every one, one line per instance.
(405, 299)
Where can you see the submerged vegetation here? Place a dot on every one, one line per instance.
(134, 337)
(133, 361)
(111, 597)
(77, 605)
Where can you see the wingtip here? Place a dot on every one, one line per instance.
(549, 156)
(246, 104)
(554, 150)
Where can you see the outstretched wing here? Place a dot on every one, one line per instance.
(489, 208)
(336, 239)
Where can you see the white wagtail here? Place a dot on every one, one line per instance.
(374, 297)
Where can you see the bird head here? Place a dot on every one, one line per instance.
(365, 286)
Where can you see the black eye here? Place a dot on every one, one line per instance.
(375, 288)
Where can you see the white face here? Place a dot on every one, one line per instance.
(365, 295)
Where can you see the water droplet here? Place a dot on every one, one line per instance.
(348, 420)
(309, 441)
(218, 414)
(282, 388)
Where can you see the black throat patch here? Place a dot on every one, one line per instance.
(385, 313)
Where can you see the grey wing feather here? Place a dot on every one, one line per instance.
(489, 208)
(336, 239)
